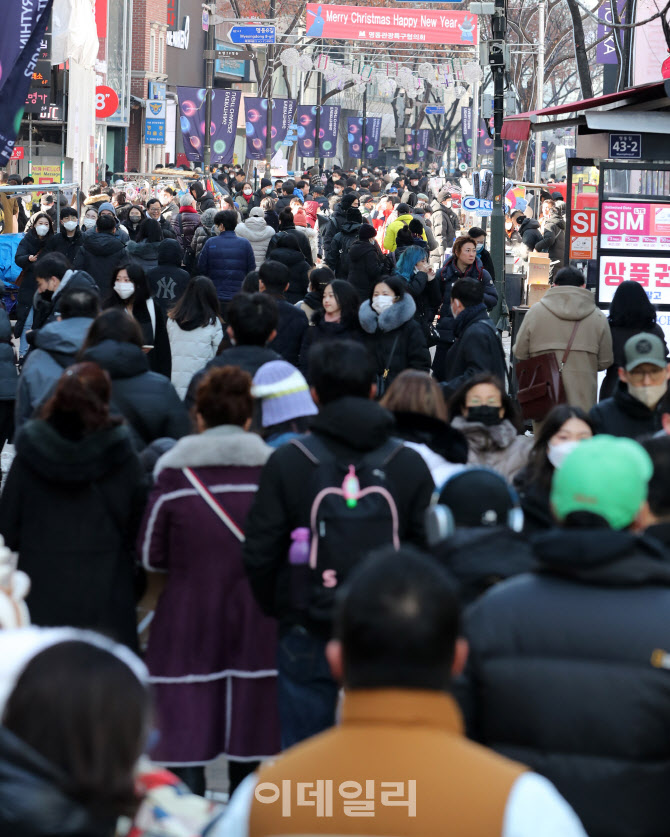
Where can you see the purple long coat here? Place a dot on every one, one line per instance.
(212, 653)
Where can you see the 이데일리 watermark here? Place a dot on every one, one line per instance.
(356, 798)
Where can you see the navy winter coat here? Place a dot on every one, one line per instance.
(226, 259)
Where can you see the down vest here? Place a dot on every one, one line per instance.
(258, 233)
(226, 259)
(564, 675)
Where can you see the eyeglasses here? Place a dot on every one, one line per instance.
(656, 375)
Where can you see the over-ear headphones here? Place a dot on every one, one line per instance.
(440, 521)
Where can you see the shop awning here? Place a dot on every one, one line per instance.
(518, 126)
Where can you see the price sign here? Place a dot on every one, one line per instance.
(625, 146)
(106, 102)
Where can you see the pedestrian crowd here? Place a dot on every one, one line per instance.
(275, 498)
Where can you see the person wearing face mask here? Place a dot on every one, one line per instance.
(445, 223)
(562, 430)
(264, 191)
(487, 417)
(567, 314)
(88, 219)
(393, 337)
(37, 235)
(244, 198)
(132, 293)
(135, 218)
(477, 346)
(483, 255)
(69, 239)
(641, 397)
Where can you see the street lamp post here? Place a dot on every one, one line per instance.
(209, 84)
(270, 71)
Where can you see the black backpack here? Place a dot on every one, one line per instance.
(346, 240)
(189, 260)
(348, 519)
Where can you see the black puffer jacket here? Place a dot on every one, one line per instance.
(477, 349)
(100, 255)
(287, 251)
(30, 245)
(427, 298)
(623, 415)
(351, 428)
(67, 246)
(337, 220)
(529, 230)
(480, 557)
(394, 326)
(248, 358)
(291, 330)
(78, 551)
(33, 802)
(563, 675)
(147, 400)
(337, 254)
(168, 280)
(366, 266)
(320, 331)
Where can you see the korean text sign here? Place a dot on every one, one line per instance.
(632, 225)
(652, 272)
(360, 23)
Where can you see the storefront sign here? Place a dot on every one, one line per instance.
(583, 233)
(46, 174)
(179, 37)
(154, 123)
(652, 272)
(360, 23)
(106, 102)
(629, 225)
(18, 153)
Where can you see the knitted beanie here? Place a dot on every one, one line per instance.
(283, 392)
(366, 232)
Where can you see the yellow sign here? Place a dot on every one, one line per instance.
(46, 174)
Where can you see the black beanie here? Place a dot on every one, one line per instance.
(265, 183)
(347, 200)
(366, 232)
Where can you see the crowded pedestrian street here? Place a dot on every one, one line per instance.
(334, 419)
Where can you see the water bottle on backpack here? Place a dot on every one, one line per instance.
(298, 558)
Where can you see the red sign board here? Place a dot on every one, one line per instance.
(583, 233)
(652, 272)
(362, 23)
(106, 102)
(17, 153)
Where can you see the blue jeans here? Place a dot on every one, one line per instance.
(23, 343)
(307, 691)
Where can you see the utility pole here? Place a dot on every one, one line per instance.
(270, 70)
(475, 116)
(317, 122)
(364, 126)
(209, 84)
(539, 97)
(497, 62)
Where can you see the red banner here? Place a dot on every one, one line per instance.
(361, 23)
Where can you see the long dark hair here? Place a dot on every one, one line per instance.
(631, 307)
(286, 221)
(149, 230)
(112, 324)
(142, 293)
(198, 306)
(347, 299)
(457, 401)
(395, 283)
(80, 403)
(86, 712)
(539, 470)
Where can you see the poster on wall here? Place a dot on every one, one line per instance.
(225, 107)
(329, 123)
(46, 174)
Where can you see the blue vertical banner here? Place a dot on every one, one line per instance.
(329, 123)
(23, 27)
(373, 129)
(418, 142)
(225, 108)
(256, 117)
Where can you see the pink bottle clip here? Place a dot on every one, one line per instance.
(351, 488)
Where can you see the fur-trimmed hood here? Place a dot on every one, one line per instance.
(224, 446)
(92, 200)
(397, 315)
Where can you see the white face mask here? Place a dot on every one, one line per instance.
(556, 453)
(381, 303)
(42, 229)
(649, 396)
(124, 289)
(70, 225)
(508, 225)
(246, 191)
(89, 223)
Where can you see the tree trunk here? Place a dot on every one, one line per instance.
(581, 58)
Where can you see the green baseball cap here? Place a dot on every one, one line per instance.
(607, 476)
(644, 348)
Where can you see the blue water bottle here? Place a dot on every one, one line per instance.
(298, 558)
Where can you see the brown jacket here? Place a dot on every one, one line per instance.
(388, 737)
(547, 327)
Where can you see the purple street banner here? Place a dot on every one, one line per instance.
(466, 124)
(256, 116)
(373, 132)
(23, 28)
(225, 107)
(418, 143)
(329, 123)
(606, 50)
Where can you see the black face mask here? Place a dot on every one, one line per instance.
(47, 295)
(484, 415)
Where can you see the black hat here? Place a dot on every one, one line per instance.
(354, 215)
(478, 497)
(366, 232)
(265, 182)
(348, 200)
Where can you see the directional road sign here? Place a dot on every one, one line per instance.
(435, 110)
(252, 35)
